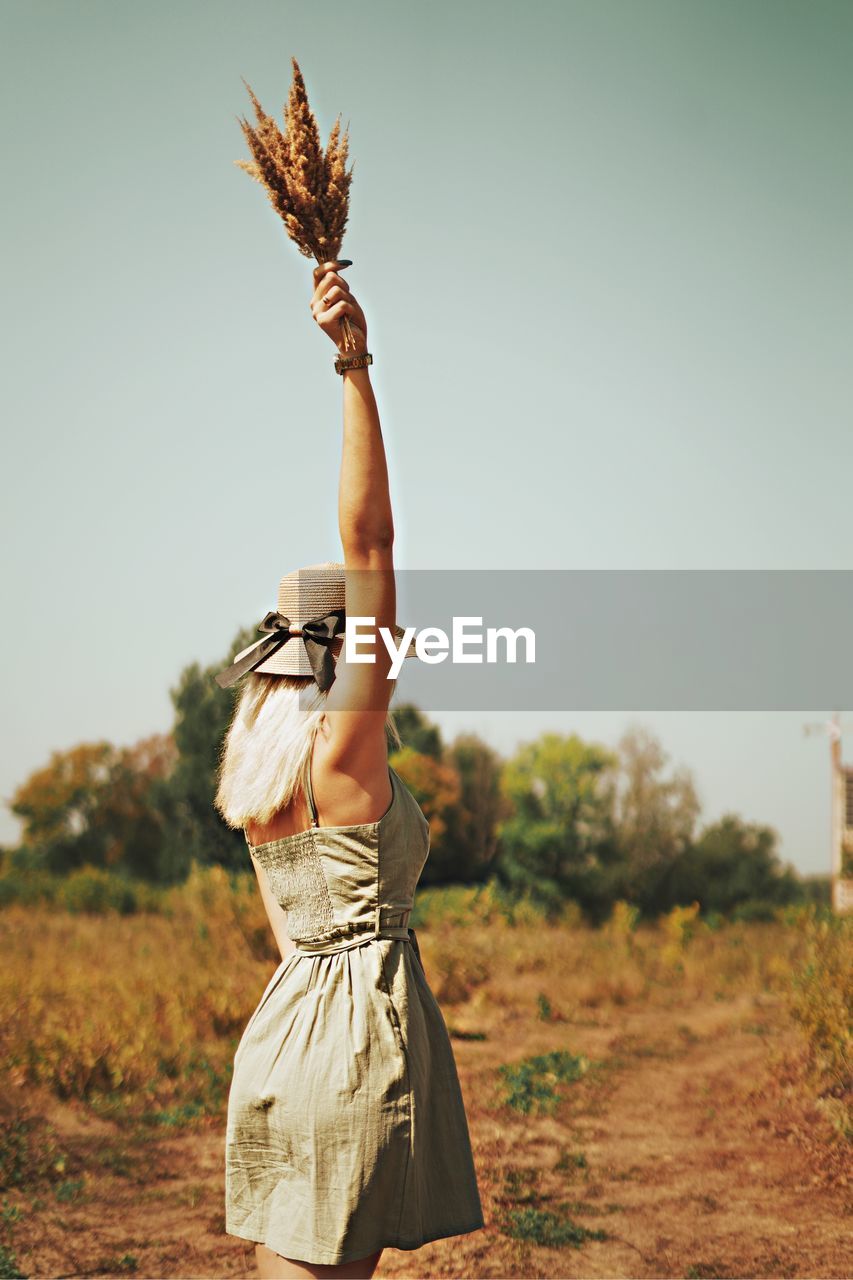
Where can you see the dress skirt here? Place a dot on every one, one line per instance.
(346, 1129)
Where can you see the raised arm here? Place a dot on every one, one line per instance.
(357, 703)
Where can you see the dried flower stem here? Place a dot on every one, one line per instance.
(308, 189)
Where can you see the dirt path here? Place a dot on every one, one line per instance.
(686, 1148)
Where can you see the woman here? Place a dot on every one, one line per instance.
(346, 1130)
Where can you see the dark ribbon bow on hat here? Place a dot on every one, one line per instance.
(317, 636)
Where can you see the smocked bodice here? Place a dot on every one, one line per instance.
(338, 884)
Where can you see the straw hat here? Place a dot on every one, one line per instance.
(306, 595)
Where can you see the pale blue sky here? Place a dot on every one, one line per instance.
(606, 254)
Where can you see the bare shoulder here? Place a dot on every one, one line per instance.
(349, 771)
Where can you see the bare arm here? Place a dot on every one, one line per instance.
(364, 500)
(353, 735)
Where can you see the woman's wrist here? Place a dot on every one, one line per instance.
(360, 376)
(353, 362)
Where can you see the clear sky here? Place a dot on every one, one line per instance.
(605, 249)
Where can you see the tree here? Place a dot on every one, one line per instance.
(550, 843)
(58, 805)
(416, 731)
(436, 787)
(732, 863)
(472, 824)
(96, 805)
(653, 816)
(203, 711)
(133, 811)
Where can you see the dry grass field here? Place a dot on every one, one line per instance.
(667, 1100)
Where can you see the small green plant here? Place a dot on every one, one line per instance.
(70, 1189)
(11, 1213)
(9, 1268)
(27, 1148)
(585, 1206)
(531, 1084)
(127, 1263)
(522, 1185)
(552, 1230)
(543, 1005)
(176, 1117)
(569, 1161)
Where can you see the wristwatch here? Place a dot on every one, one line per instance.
(359, 361)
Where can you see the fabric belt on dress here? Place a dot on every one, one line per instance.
(390, 921)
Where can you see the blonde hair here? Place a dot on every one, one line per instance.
(263, 761)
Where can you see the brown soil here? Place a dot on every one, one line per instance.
(694, 1147)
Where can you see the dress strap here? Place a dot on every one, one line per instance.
(309, 790)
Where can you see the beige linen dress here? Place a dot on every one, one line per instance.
(346, 1131)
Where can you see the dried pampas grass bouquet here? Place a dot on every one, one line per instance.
(308, 189)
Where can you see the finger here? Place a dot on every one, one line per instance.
(322, 267)
(343, 306)
(335, 312)
(332, 265)
(330, 321)
(326, 282)
(321, 306)
(333, 281)
(334, 294)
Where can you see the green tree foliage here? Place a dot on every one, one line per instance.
(133, 812)
(563, 819)
(58, 804)
(96, 805)
(146, 810)
(436, 787)
(472, 824)
(458, 788)
(194, 829)
(816, 888)
(416, 731)
(733, 863)
(558, 821)
(653, 814)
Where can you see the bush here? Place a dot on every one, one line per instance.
(531, 1084)
(28, 887)
(88, 889)
(822, 1004)
(137, 1014)
(460, 904)
(98, 891)
(551, 1230)
(754, 909)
